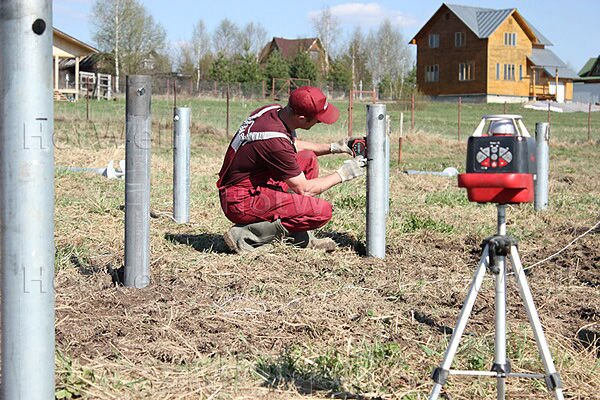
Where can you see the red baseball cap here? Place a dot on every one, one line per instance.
(310, 102)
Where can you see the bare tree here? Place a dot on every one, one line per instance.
(200, 47)
(327, 29)
(184, 55)
(226, 38)
(125, 29)
(253, 38)
(389, 55)
(357, 51)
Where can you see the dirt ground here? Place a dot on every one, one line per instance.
(302, 324)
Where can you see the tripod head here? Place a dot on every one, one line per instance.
(500, 162)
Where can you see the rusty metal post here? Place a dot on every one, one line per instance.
(227, 118)
(589, 137)
(412, 112)
(350, 108)
(459, 107)
(400, 139)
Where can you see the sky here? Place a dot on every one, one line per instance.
(572, 26)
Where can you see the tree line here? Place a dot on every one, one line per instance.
(134, 42)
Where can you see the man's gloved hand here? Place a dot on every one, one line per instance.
(342, 146)
(351, 169)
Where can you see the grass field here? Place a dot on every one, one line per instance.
(300, 324)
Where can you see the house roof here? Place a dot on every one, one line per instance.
(550, 62)
(84, 46)
(290, 47)
(484, 21)
(588, 68)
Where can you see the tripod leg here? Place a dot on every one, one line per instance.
(500, 363)
(552, 377)
(440, 375)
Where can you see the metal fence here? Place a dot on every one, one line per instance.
(185, 86)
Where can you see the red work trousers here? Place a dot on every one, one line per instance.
(244, 204)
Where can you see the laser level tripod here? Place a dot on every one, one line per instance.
(499, 171)
(493, 256)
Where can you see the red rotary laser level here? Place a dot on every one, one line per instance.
(359, 147)
(501, 162)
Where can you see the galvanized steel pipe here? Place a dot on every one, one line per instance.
(388, 131)
(27, 199)
(542, 137)
(181, 165)
(376, 180)
(137, 181)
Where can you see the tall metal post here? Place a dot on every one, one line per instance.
(181, 165)
(27, 199)
(137, 181)
(376, 133)
(542, 136)
(388, 133)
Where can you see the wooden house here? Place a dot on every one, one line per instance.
(289, 48)
(68, 53)
(488, 55)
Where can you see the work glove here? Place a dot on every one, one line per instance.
(351, 169)
(342, 146)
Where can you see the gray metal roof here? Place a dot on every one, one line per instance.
(541, 38)
(484, 21)
(549, 61)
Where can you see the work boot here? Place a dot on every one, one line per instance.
(246, 238)
(307, 240)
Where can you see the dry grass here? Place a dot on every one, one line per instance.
(300, 324)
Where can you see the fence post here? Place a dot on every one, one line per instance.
(227, 110)
(589, 122)
(459, 107)
(412, 113)
(400, 138)
(350, 108)
(27, 200)
(376, 180)
(137, 181)
(181, 165)
(87, 100)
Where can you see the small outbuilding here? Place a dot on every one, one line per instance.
(587, 87)
(68, 53)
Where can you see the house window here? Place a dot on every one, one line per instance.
(509, 72)
(432, 73)
(520, 72)
(434, 40)
(459, 39)
(497, 72)
(465, 72)
(510, 39)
